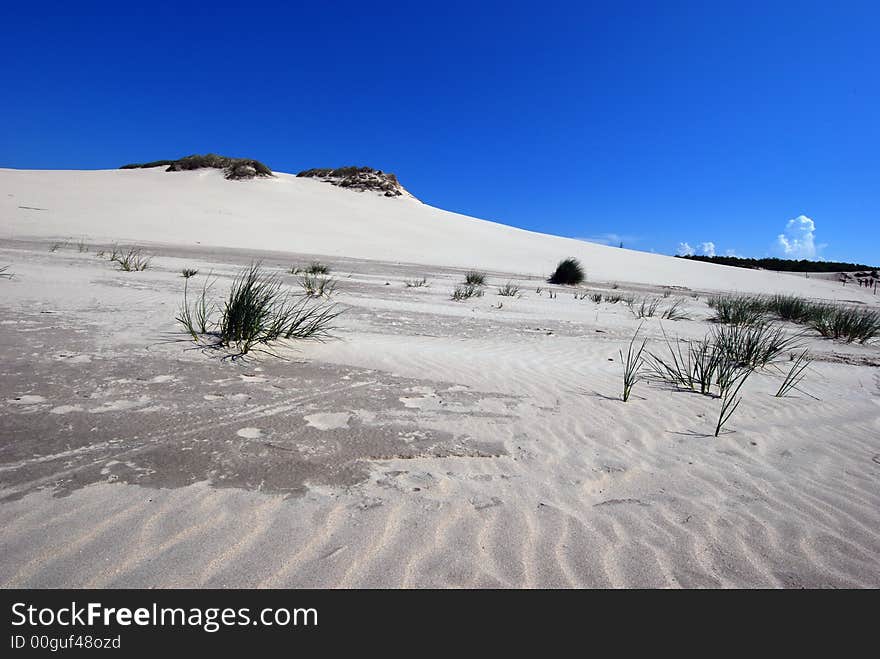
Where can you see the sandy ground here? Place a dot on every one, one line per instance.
(432, 443)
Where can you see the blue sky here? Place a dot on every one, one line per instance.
(656, 123)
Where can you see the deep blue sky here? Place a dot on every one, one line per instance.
(660, 122)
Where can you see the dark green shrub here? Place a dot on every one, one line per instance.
(475, 278)
(568, 272)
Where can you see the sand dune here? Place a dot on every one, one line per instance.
(306, 216)
(432, 443)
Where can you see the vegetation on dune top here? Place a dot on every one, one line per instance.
(342, 172)
(357, 178)
(233, 168)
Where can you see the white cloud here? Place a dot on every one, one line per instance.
(684, 250)
(704, 249)
(730, 252)
(798, 239)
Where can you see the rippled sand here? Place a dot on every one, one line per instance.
(433, 443)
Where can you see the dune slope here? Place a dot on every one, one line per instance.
(301, 215)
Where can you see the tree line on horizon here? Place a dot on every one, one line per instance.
(783, 265)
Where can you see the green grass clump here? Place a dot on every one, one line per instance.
(790, 307)
(795, 374)
(731, 399)
(196, 318)
(509, 290)
(568, 272)
(475, 278)
(756, 345)
(836, 321)
(258, 311)
(646, 308)
(738, 309)
(718, 360)
(632, 363)
(317, 268)
(316, 285)
(131, 261)
(845, 323)
(255, 310)
(466, 291)
(674, 311)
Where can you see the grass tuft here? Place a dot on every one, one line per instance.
(316, 285)
(131, 261)
(466, 291)
(795, 374)
(196, 319)
(509, 290)
(475, 278)
(729, 400)
(317, 268)
(674, 311)
(189, 272)
(646, 308)
(754, 346)
(737, 309)
(849, 324)
(415, 283)
(842, 322)
(632, 364)
(258, 311)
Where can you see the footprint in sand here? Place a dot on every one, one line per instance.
(73, 358)
(120, 405)
(222, 397)
(28, 399)
(65, 409)
(328, 420)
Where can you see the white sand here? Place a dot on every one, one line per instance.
(311, 217)
(433, 443)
